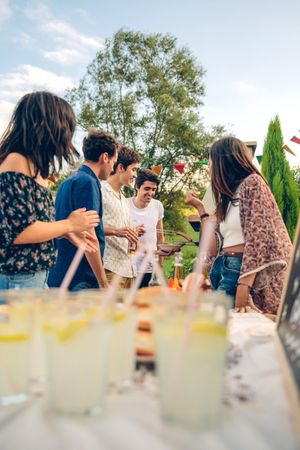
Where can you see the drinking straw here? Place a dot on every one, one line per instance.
(133, 290)
(159, 273)
(148, 258)
(72, 269)
(202, 254)
(191, 306)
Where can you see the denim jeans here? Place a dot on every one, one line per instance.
(24, 280)
(225, 273)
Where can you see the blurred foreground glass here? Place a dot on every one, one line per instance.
(121, 359)
(191, 353)
(16, 311)
(77, 335)
(122, 349)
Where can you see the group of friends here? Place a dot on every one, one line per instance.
(250, 245)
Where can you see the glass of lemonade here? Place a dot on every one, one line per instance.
(122, 348)
(77, 335)
(121, 358)
(191, 351)
(16, 310)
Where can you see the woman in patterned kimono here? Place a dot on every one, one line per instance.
(255, 248)
(38, 137)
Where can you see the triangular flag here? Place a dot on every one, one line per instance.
(203, 163)
(52, 179)
(179, 166)
(295, 139)
(288, 149)
(157, 169)
(259, 158)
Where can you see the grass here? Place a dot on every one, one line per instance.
(189, 252)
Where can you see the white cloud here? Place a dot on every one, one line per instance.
(24, 39)
(65, 33)
(6, 109)
(70, 46)
(30, 78)
(64, 56)
(37, 12)
(27, 78)
(5, 10)
(243, 86)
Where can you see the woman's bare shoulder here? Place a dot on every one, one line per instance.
(15, 162)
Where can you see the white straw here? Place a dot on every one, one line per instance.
(133, 290)
(204, 245)
(72, 269)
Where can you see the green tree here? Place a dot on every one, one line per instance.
(276, 169)
(148, 92)
(296, 175)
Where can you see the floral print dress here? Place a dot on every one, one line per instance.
(22, 202)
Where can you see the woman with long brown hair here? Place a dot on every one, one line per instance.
(255, 247)
(38, 138)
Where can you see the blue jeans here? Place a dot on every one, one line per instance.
(24, 280)
(225, 273)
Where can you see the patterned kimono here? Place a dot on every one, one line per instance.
(267, 244)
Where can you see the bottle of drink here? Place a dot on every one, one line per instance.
(178, 266)
(154, 281)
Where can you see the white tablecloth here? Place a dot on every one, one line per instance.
(257, 413)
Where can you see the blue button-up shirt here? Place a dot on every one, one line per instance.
(82, 190)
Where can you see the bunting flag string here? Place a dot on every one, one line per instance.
(287, 148)
(157, 169)
(179, 167)
(295, 139)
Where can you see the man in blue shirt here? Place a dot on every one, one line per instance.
(83, 190)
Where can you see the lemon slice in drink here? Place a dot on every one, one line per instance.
(208, 327)
(118, 316)
(8, 334)
(65, 332)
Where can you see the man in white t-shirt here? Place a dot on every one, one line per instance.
(147, 211)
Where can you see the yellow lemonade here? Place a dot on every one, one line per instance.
(77, 350)
(15, 333)
(122, 348)
(191, 354)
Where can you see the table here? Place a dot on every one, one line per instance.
(256, 413)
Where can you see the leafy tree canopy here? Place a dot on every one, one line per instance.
(148, 92)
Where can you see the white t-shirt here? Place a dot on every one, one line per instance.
(231, 228)
(149, 217)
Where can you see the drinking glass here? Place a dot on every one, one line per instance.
(77, 334)
(191, 344)
(16, 311)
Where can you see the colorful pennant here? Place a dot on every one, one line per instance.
(179, 166)
(287, 148)
(295, 139)
(157, 169)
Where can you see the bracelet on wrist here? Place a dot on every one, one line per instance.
(203, 216)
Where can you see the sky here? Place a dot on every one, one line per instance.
(249, 49)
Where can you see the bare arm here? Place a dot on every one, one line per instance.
(160, 239)
(125, 232)
(191, 199)
(244, 302)
(79, 220)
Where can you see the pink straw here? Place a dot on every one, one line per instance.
(72, 269)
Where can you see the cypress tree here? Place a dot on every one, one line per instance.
(277, 172)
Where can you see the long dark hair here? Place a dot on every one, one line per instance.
(41, 129)
(231, 162)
